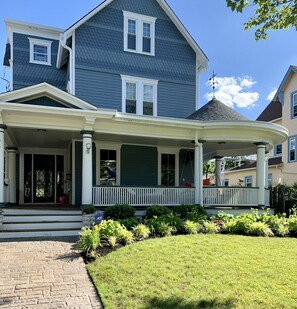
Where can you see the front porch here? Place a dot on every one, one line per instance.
(172, 196)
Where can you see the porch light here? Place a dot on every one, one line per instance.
(88, 147)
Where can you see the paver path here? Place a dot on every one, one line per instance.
(44, 274)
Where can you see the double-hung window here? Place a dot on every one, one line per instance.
(248, 181)
(278, 150)
(40, 51)
(294, 104)
(292, 149)
(139, 33)
(139, 96)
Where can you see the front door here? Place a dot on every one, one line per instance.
(43, 178)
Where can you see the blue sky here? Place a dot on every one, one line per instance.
(247, 71)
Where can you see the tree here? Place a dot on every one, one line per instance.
(269, 14)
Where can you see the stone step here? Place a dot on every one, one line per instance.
(40, 233)
(22, 211)
(51, 225)
(44, 218)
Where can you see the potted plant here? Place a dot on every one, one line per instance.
(91, 216)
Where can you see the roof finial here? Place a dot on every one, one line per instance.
(213, 83)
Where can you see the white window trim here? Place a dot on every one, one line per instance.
(163, 150)
(47, 44)
(140, 19)
(108, 146)
(139, 93)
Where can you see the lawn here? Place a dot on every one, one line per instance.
(199, 271)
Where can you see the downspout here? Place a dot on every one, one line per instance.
(63, 43)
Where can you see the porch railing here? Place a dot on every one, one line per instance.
(230, 196)
(142, 196)
(145, 196)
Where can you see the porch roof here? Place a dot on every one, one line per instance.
(223, 138)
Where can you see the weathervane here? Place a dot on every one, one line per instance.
(213, 82)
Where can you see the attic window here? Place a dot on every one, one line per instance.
(139, 33)
(40, 51)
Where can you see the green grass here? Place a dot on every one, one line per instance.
(199, 271)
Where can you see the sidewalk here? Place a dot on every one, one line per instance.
(44, 274)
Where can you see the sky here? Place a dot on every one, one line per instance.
(248, 72)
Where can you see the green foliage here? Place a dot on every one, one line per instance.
(259, 229)
(126, 237)
(239, 224)
(119, 212)
(112, 241)
(89, 240)
(163, 229)
(156, 211)
(210, 227)
(272, 14)
(109, 228)
(141, 232)
(195, 213)
(165, 225)
(89, 209)
(191, 227)
(292, 222)
(129, 223)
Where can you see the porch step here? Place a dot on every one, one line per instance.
(22, 223)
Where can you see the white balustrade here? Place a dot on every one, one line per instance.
(145, 196)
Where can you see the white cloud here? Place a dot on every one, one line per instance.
(235, 91)
(271, 94)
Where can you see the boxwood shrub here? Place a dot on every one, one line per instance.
(119, 212)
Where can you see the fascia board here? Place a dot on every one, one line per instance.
(291, 70)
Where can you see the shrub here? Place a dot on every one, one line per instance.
(191, 212)
(156, 211)
(163, 229)
(172, 220)
(239, 224)
(141, 231)
(190, 227)
(89, 240)
(126, 237)
(109, 228)
(259, 229)
(88, 210)
(112, 241)
(129, 223)
(119, 212)
(210, 227)
(292, 221)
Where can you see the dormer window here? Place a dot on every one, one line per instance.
(40, 51)
(139, 33)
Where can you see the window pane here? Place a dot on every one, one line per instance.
(131, 26)
(148, 108)
(130, 106)
(148, 93)
(131, 91)
(168, 170)
(40, 53)
(146, 42)
(279, 149)
(132, 41)
(108, 167)
(146, 30)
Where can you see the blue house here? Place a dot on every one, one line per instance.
(106, 112)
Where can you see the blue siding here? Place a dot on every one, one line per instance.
(100, 54)
(26, 73)
(139, 166)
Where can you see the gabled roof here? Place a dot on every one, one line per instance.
(216, 110)
(272, 112)
(203, 60)
(44, 89)
(292, 70)
(253, 164)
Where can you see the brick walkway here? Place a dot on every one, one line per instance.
(44, 274)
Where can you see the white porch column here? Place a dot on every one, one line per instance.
(87, 168)
(2, 129)
(12, 174)
(218, 171)
(198, 174)
(261, 149)
(266, 170)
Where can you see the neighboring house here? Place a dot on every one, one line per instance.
(282, 159)
(100, 112)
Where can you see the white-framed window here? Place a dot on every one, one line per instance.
(248, 181)
(139, 96)
(40, 51)
(294, 104)
(139, 33)
(168, 163)
(292, 149)
(278, 150)
(108, 164)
